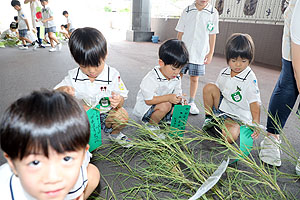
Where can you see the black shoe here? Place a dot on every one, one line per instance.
(41, 46)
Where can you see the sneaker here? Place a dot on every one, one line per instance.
(270, 151)
(41, 46)
(194, 110)
(298, 167)
(207, 124)
(121, 139)
(52, 49)
(23, 47)
(58, 47)
(155, 132)
(35, 46)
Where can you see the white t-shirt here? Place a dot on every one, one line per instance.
(155, 84)
(295, 25)
(238, 92)
(11, 188)
(107, 82)
(8, 32)
(69, 21)
(196, 27)
(21, 18)
(47, 13)
(31, 36)
(286, 37)
(33, 7)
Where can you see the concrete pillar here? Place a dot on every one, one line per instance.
(140, 29)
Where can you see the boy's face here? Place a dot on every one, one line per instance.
(169, 71)
(237, 65)
(202, 3)
(17, 7)
(91, 71)
(44, 3)
(48, 178)
(66, 15)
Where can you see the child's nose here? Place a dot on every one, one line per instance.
(54, 174)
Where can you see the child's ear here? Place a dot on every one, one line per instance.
(87, 147)
(161, 63)
(10, 163)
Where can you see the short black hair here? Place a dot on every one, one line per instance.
(41, 120)
(239, 45)
(13, 25)
(15, 3)
(43, 0)
(174, 52)
(88, 46)
(16, 18)
(64, 25)
(65, 12)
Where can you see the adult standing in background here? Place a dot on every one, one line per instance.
(286, 90)
(295, 37)
(35, 8)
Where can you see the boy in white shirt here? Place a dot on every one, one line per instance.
(50, 27)
(97, 83)
(197, 28)
(160, 89)
(10, 36)
(44, 137)
(235, 94)
(23, 26)
(70, 27)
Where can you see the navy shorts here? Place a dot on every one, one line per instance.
(147, 115)
(23, 32)
(194, 69)
(51, 29)
(103, 117)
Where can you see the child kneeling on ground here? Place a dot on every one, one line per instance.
(45, 138)
(235, 96)
(160, 89)
(95, 82)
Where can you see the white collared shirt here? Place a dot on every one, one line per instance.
(107, 82)
(47, 13)
(238, 93)
(155, 84)
(295, 26)
(194, 25)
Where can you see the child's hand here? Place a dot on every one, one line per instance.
(255, 135)
(115, 99)
(67, 89)
(174, 99)
(208, 59)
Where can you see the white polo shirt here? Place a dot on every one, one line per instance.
(286, 37)
(155, 84)
(295, 26)
(107, 82)
(196, 27)
(47, 13)
(12, 189)
(238, 92)
(21, 17)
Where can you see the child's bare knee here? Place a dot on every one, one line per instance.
(165, 107)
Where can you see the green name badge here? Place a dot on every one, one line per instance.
(95, 128)
(179, 119)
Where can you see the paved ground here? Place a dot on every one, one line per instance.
(24, 71)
